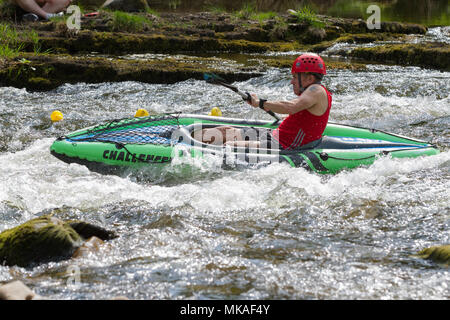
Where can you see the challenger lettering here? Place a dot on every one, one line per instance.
(128, 157)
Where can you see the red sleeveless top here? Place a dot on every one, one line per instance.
(302, 127)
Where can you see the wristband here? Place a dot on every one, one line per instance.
(261, 103)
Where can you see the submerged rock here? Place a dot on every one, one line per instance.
(46, 239)
(17, 290)
(439, 254)
(90, 246)
(87, 230)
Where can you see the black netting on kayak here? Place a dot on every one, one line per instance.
(151, 129)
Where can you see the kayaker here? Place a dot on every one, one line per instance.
(307, 114)
(44, 9)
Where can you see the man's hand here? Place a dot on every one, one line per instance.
(254, 101)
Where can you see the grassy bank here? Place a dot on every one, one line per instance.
(13, 42)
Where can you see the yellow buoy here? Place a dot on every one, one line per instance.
(141, 113)
(215, 112)
(56, 116)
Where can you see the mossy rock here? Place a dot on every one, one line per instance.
(257, 35)
(404, 28)
(313, 35)
(429, 55)
(87, 230)
(365, 37)
(439, 254)
(50, 71)
(39, 83)
(356, 26)
(332, 32)
(45, 239)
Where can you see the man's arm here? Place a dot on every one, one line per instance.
(308, 99)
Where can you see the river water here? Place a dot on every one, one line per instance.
(196, 231)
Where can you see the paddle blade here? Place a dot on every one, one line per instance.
(215, 79)
(212, 78)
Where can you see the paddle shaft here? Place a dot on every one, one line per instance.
(245, 95)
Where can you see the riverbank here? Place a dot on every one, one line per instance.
(48, 54)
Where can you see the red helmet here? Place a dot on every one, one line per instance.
(309, 62)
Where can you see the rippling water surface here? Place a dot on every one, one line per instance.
(196, 231)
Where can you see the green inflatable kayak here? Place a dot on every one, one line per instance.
(137, 142)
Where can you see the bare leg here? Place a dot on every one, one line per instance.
(33, 7)
(54, 6)
(212, 136)
(243, 144)
(218, 135)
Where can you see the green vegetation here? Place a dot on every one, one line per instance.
(32, 36)
(215, 9)
(350, 9)
(262, 16)
(248, 10)
(129, 22)
(152, 11)
(308, 16)
(10, 44)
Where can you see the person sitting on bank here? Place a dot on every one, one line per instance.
(307, 114)
(45, 9)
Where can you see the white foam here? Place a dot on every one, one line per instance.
(36, 181)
